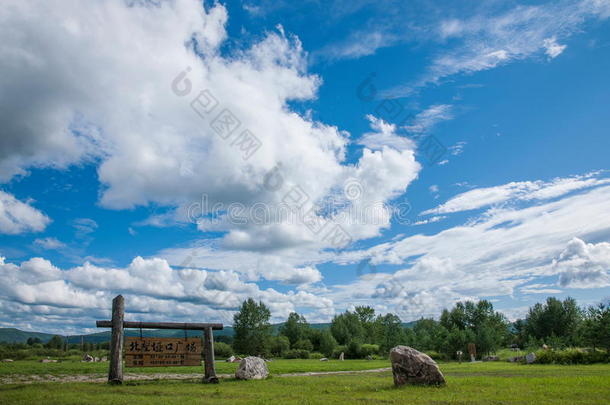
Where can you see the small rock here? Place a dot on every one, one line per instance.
(104, 359)
(323, 359)
(88, 358)
(530, 358)
(516, 359)
(48, 361)
(412, 367)
(7, 360)
(96, 359)
(230, 359)
(252, 368)
(491, 358)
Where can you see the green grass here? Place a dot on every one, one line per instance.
(280, 366)
(479, 383)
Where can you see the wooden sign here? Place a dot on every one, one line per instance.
(162, 352)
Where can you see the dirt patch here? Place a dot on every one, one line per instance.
(101, 378)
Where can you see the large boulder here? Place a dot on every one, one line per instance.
(252, 368)
(412, 367)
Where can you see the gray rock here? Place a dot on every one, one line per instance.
(88, 358)
(252, 368)
(7, 360)
(230, 359)
(491, 358)
(323, 359)
(412, 367)
(48, 361)
(530, 358)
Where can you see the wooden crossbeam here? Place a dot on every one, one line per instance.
(162, 325)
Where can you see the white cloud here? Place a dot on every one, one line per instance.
(553, 49)
(358, 44)
(501, 252)
(430, 220)
(152, 287)
(458, 148)
(18, 217)
(492, 37)
(424, 121)
(384, 134)
(584, 265)
(523, 190)
(108, 93)
(49, 243)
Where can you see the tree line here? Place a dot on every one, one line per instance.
(362, 333)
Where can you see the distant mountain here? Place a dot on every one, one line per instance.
(12, 335)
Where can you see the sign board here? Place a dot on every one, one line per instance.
(162, 352)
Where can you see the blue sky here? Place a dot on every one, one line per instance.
(314, 156)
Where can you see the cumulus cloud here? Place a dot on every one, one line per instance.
(18, 217)
(108, 95)
(584, 265)
(152, 286)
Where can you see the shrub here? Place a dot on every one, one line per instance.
(316, 355)
(368, 350)
(303, 344)
(571, 356)
(338, 350)
(354, 350)
(222, 350)
(434, 355)
(278, 345)
(296, 354)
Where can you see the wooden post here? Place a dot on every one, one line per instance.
(115, 374)
(208, 357)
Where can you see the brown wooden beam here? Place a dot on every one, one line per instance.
(115, 373)
(208, 357)
(162, 325)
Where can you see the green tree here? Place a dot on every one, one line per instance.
(278, 345)
(252, 328)
(33, 340)
(295, 328)
(56, 342)
(327, 343)
(366, 315)
(595, 329)
(302, 344)
(389, 332)
(347, 327)
(555, 318)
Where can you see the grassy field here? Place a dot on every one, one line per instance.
(281, 366)
(479, 383)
